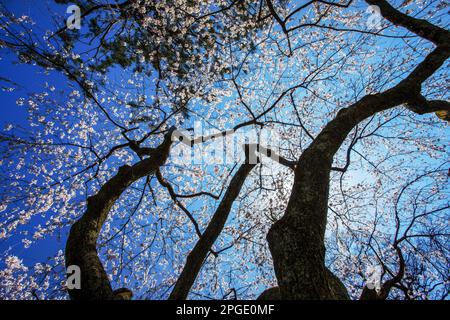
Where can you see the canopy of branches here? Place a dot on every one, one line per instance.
(311, 155)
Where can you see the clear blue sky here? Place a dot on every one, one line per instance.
(30, 79)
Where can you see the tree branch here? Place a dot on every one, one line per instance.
(81, 246)
(195, 258)
(422, 28)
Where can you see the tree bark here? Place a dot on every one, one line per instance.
(198, 254)
(81, 246)
(296, 241)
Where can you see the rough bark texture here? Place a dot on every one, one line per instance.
(198, 254)
(296, 241)
(81, 246)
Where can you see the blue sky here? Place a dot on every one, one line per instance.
(30, 79)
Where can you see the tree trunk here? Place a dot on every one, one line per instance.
(296, 241)
(198, 254)
(81, 246)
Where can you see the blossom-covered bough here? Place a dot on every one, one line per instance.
(165, 229)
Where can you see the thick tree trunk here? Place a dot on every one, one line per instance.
(296, 241)
(81, 246)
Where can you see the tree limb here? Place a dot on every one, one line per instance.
(81, 246)
(198, 254)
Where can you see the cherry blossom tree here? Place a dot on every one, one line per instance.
(347, 197)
